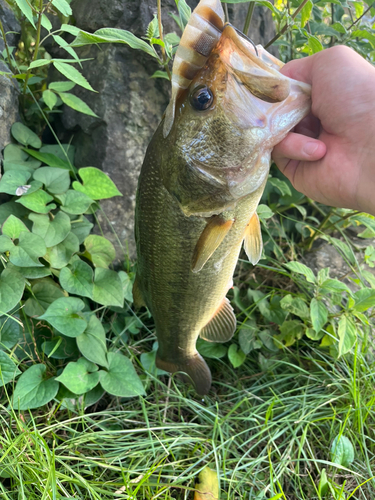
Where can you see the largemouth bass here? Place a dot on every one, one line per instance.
(201, 181)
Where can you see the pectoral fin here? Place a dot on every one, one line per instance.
(137, 295)
(253, 240)
(222, 325)
(211, 237)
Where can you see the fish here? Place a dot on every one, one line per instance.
(201, 181)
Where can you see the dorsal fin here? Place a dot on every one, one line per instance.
(222, 325)
(200, 36)
(253, 240)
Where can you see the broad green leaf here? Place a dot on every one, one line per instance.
(282, 186)
(264, 212)
(46, 23)
(25, 136)
(121, 379)
(112, 35)
(10, 331)
(208, 487)
(290, 331)
(76, 103)
(39, 63)
(344, 249)
(44, 293)
(148, 362)
(107, 288)
(59, 255)
(74, 202)
(72, 74)
(127, 285)
(60, 347)
(31, 272)
(78, 403)
(364, 299)
(306, 13)
(342, 451)
(295, 306)
(13, 227)
(12, 180)
(81, 228)
(68, 28)
(319, 314)
(49, 159)
(78, 279)
(64, 315)
(63, 7)
(6, 244)
(211, 349)
(314, 44)
(334, 286)
(80, 377)
(50, 98)
(248, 340)
(99, 250)
(53, 231)
(339, 27)
(8, 369)
(160, 74)
(26, 10)
(61, 86)
(347, 334)
(92, 342)
(12, 285)
(33, 389)
(28, 250)
(37, 202)
(13, 152)
(65, 45)
(313, 335)
(236, 356)
(323, 483)
(298, 267)
(96, 184)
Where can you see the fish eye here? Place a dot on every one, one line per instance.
(201, 98)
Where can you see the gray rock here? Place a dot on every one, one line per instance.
(130, 103)
(8, 88)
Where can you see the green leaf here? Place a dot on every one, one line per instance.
(160, 74)
(61, 86)
(50, 98)
(264, 212)
(25, 136)
(299, 268)
(81, 228)
(96, 184)
(65, 45)
(49, 159)
(306, 13)
(31, 272)
(13, 227)
(26, 10)
(37, 202)
(10, 331)
(342, 451)
(8, 369)
(33, 389)
(44, 293)
(339, 27)
(12, 285)
(52, 231)
(92, 342)
(347, 334)
(28, 250)
(13, 152)
(113, 35)
(59, 255)
(72, 74)
(63, 7)
(236, 356)
(46, 23)
(80, 377)
(323, 483)
(148, 362)
(76, 103)
(127, 285)
(99, 250)
(290, 331)
(60, 347)
(211, 349)
(334, 286)
(74, 202)
(56, 180)
(107, 288)
(12, 180)
(78, 279)
(121, 379)
(314, 44)
(64, 315)
(295, 306)
(313, 335)
(282, 186)
(364, 299)
(319, 314)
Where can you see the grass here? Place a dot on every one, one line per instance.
(267, 432)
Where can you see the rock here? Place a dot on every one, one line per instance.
(8, 89)
(326, 255)
(129, 103)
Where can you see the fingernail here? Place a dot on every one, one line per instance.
(310, 147)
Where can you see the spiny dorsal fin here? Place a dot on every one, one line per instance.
(253, 240)
(212, 235)
(200, 36)
(222, 325)
(137, 295)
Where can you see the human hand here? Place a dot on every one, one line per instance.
(330, 155)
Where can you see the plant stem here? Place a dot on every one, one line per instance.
(360, 17)
(6, 46)
(37, 44)
(287, 25)
(165, 62)
(248, 17)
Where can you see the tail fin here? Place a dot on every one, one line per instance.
(195, 367)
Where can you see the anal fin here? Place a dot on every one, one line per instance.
(222, 325)
(137, 295)
(212, 235)
(253, 240)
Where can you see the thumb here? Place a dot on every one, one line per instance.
(297, 147)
